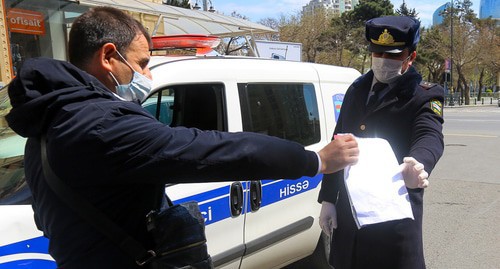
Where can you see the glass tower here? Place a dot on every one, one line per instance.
(489, 8)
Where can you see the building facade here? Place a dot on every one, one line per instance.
(489, 8)
(437, 17)
(333, 6)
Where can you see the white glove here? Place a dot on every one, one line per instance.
(328, 218)
(414, 173)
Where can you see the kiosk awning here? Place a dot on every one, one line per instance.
(186, 21)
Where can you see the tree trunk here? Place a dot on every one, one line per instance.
(463, 82)
(480, 90)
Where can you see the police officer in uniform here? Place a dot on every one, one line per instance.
(392, 103)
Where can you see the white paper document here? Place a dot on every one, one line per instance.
(375, 184)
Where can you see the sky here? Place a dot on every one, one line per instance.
(259, 9)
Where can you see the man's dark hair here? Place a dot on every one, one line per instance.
(99, 26)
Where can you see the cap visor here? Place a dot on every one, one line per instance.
(381, 49)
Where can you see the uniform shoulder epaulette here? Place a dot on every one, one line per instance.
(427, 85)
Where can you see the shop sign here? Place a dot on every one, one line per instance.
(26, 21)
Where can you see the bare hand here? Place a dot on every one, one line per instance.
(414, 173)
(339, 153)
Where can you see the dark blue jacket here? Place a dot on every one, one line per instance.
(409, 118)
(119, 157)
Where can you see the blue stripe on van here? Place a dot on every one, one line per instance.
(29, 264)
(273, 191)
(33, 245)
(214, 205)
(37, 245)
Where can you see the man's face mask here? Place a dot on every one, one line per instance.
(138, 88)
(387, 70)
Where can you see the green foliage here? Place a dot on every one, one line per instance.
(405, 11)
(431, 54)
(341, 41)
(462, 12)
(369, 9)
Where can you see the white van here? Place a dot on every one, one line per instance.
(255, 223)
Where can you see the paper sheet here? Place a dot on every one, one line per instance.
(375, 184)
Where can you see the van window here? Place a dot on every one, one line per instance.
(196, 105)
(13, 186)
(287, 110)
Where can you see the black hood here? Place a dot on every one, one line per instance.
(44, 86)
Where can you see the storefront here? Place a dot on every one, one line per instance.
(36, 28)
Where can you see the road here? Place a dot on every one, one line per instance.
(462, 204)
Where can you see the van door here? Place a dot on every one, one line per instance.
(279, 210)
(202, 106)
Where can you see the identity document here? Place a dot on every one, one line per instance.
(375, 184)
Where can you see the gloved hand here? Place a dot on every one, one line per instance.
(328, 217)
(414, 173)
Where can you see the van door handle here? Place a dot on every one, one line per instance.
(236, 199)
(255, 195)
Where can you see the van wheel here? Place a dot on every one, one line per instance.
(320, 257)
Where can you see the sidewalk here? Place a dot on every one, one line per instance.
(486, 101)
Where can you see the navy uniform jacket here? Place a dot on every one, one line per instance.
(119, 157)
(410, 119)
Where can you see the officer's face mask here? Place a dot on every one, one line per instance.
(138, 88)
(387, 70)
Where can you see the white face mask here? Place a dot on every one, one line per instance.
(137, 90)
(387, 70)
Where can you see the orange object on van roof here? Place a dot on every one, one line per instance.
(185, 41)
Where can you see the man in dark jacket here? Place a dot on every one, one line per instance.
(109, 150)
(408, 115)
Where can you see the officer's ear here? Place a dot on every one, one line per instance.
(413, 56)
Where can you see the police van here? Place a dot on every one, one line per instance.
(251, 223)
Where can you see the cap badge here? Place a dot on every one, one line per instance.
(386, 39)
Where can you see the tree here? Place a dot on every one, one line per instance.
(405, 11)
(488, 66)
(273, 24)
(463, 44)
(431, 54)
(335, 38)
(306, 29)
(369, 9)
